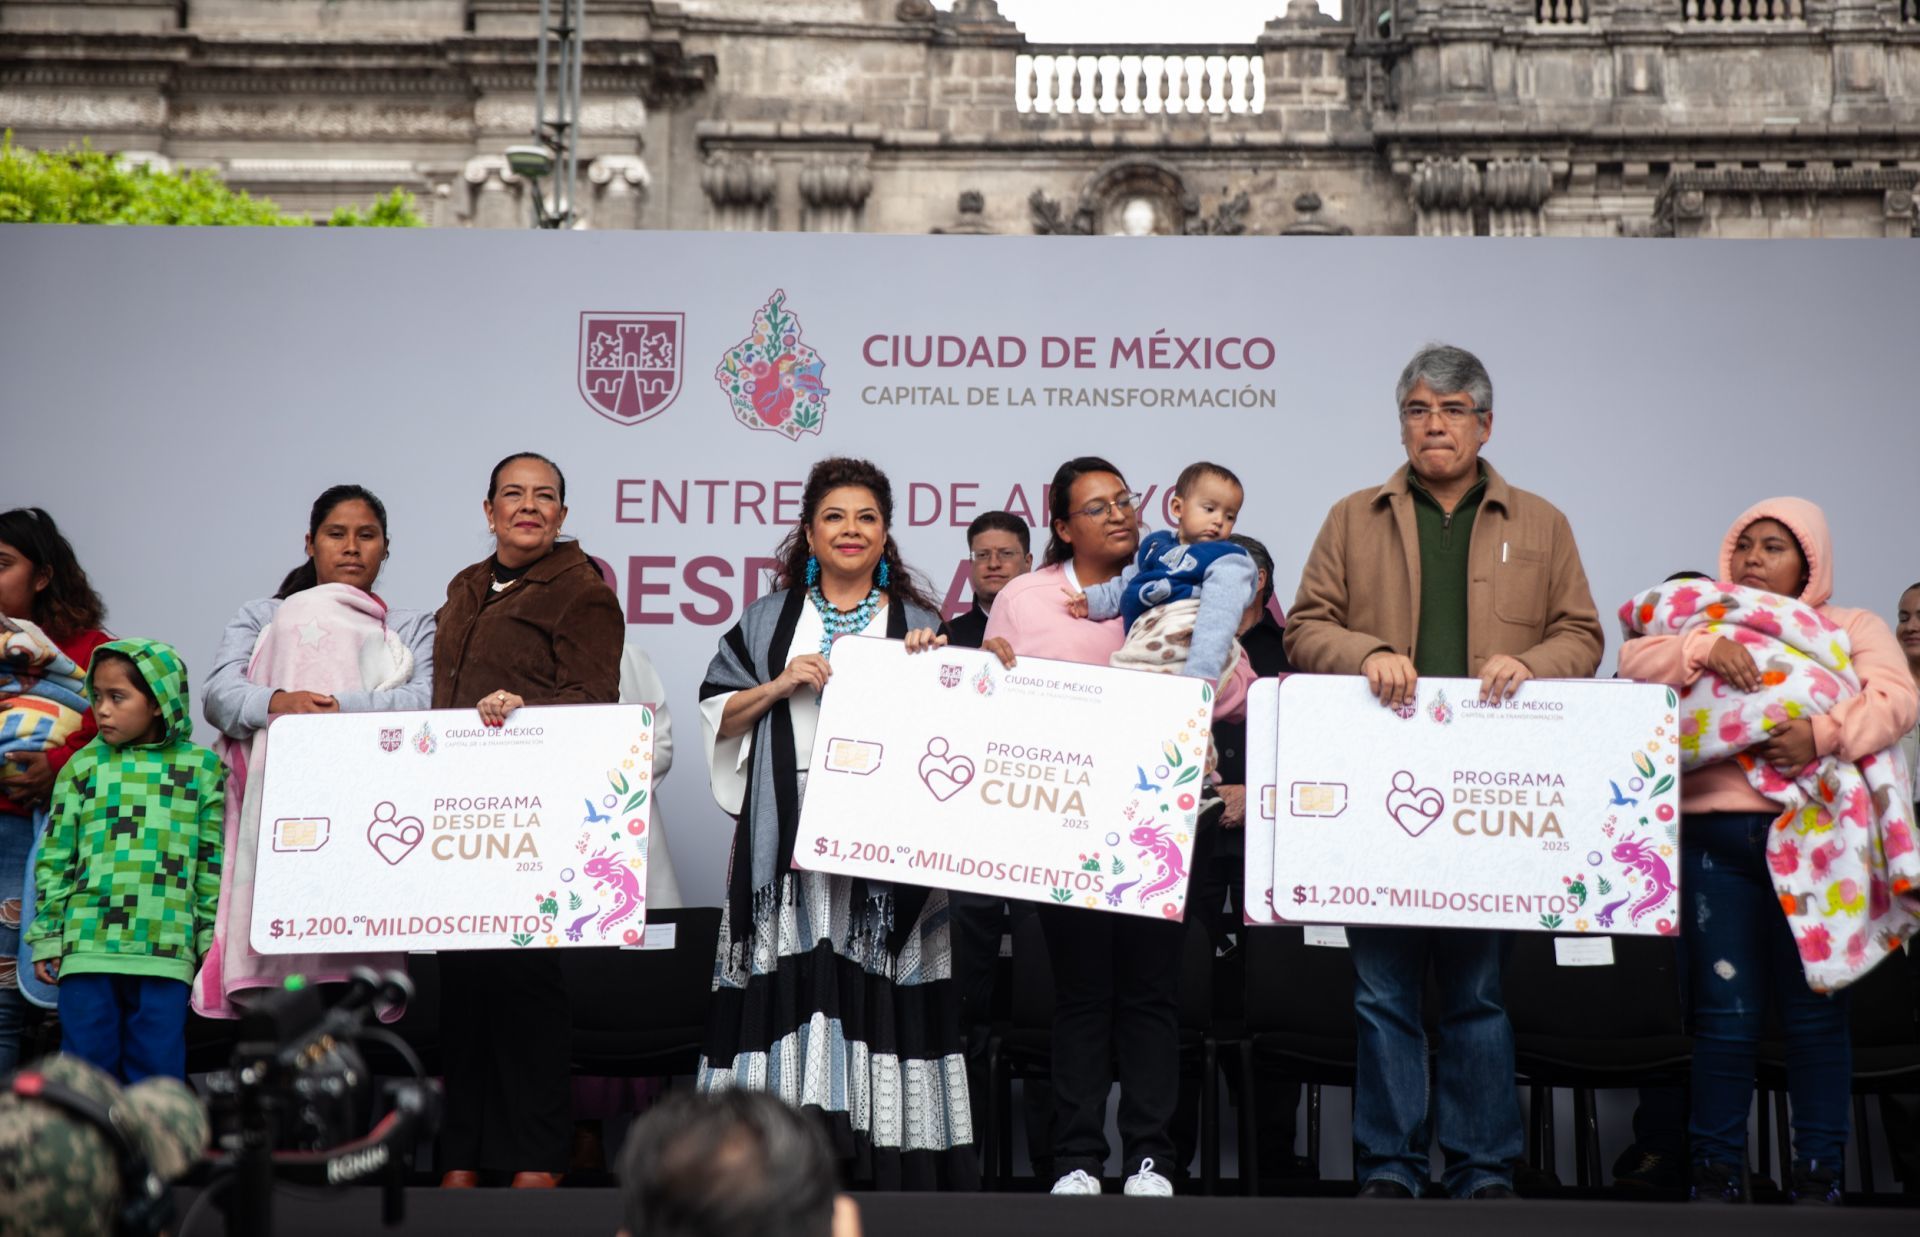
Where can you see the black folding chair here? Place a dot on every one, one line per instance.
(1591, 1028)
(643, 1012)
(1885, 1024)
(1299, 1017)
(1886, 1043)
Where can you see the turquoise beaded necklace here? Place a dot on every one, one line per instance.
(838, 624)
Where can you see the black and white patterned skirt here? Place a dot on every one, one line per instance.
(816, 1010)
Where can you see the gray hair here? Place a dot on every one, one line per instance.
(1446, 369)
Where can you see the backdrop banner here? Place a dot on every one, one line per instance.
(222, 377)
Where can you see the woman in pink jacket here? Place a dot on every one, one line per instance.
(1737, 942)
(1116, 977)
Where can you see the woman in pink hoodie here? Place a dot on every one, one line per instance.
(1737, 942)
(1116, 976)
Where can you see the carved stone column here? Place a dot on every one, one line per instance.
(1515, 191)
(620, 185)
(833, 193)
(1450, 196)
(740, 185)
(496, 198)
(1445, 192)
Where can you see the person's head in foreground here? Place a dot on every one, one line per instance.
(61, 1174)
(731, 1163)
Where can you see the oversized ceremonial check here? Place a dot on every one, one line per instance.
(1556, 810)
(1052, 781)
(1263, 719)
(429, 830)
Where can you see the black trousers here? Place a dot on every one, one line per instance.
(506, 1038)
(979, 922)
(1117, 987)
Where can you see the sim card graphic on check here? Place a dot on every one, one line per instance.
(298, 833)
(1324, 799)
(853, 756)
(1268, 794)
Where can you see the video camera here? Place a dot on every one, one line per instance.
(297, 1103)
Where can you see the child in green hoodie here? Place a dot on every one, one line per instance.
(129, 873)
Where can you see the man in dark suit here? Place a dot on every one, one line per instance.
(999, 547)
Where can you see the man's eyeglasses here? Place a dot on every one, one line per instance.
(988, 557)
(1125, 505)
(1452, 414)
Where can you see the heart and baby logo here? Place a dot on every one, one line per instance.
(394, 837)
(1413, 808)
(944, 776)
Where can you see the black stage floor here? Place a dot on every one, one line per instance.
(562, 1213)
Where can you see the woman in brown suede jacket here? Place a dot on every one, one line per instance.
(533, 624)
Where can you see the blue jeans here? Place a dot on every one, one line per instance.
(16, 839)
(1740, 952)
(131, 1026)
(1478, 1110)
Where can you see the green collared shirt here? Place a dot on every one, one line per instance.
(1440, 645)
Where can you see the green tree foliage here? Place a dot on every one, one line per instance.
(83, 185)
(393, 211)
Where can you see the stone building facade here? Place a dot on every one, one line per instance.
(1743, 118)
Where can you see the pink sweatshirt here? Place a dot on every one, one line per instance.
(1856, 727)
(1031, 614)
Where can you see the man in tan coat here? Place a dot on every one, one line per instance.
(1445, 570)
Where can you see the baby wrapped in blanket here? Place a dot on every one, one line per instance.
(43, 696)
(1183, 596)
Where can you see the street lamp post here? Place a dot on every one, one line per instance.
(554, 152)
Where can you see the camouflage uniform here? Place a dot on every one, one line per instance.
(58, 1173)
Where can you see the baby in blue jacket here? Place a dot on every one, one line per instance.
(1184, 593)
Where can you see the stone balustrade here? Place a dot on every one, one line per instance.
(1562, 12)
(1742, 10)
(1123, 80)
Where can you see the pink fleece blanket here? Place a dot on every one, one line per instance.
(328, 639)
(1842, 852)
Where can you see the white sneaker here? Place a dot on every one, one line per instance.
(1078, 1182)
(1147, 1184)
